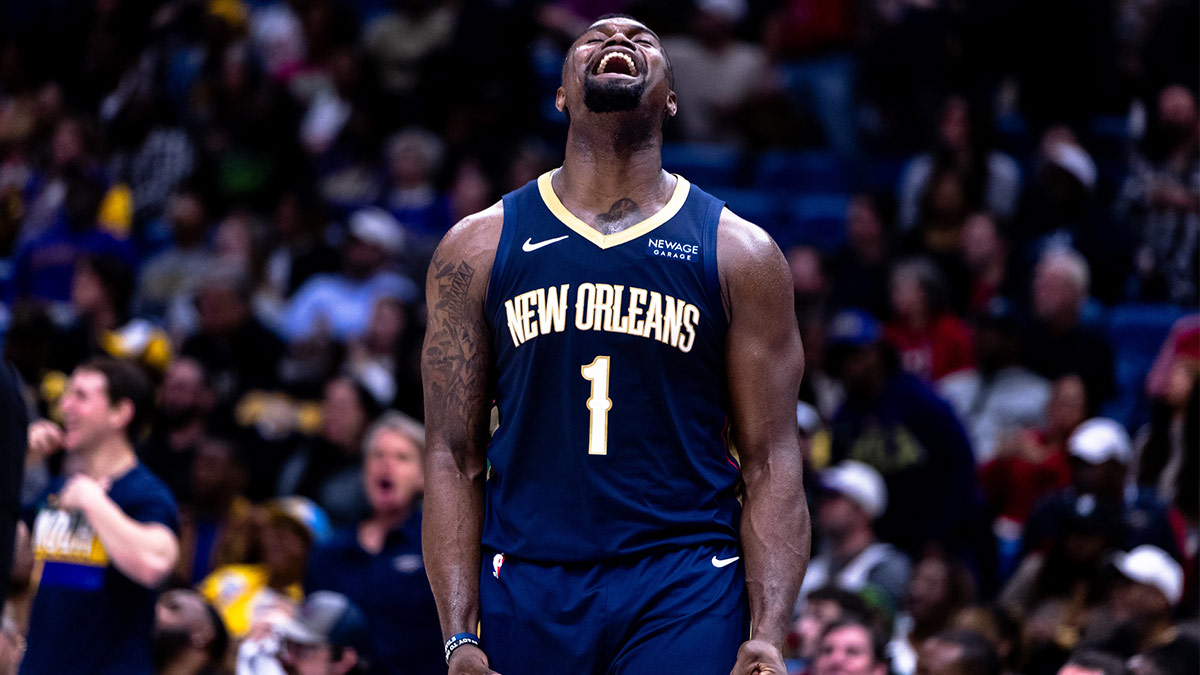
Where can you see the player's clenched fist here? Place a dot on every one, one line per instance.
(470, 660)
(45, 438)
(756, 657)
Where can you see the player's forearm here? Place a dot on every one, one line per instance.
(144, 552)
(452, 527)
(775, 537)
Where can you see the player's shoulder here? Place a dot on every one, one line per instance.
(471, 243)
(742, 244)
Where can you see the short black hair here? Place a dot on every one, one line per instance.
(850, 604)
(124, 381)
(979, 655)
(879, 640)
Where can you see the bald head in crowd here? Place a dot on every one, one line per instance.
(1060, 287)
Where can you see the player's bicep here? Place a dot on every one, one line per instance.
(764, 356)
(456, 356)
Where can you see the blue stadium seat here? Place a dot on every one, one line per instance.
(709, 165)
(1137, 333)
(757, 206)
(803, 172)
(816, 220)
(881, 173)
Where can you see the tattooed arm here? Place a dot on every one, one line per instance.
(455, 367)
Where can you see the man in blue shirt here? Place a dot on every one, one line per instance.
(103, 536)
(378, 564)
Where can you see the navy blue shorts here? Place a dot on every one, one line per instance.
(680, 611)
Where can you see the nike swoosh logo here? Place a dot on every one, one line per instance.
(529, 246)
(717, 562)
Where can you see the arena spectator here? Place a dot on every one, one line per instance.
(189, 636)
(852, 647)
(293, 526)
(1034, 464)
(43, 265)
(95, 611)
(1059, 209)
(237, 351)
(958, 652)
(339, 305)
(822, 608)
(328, 468)
(999, 397)
(1058, 342)
(1139, 613)
(180, 422)
(1167, 457)
(326, 636)
(859, 272)
(414, 159)
(217, 527)
(1161, 201)
(810, 283)
(1057, 591)
(894, 423)
(999, 627)
(990, 178)
(378, 563)
(170, 275)
(939, 589)
(716, 74)
(384, 358)
(986, 257)
(932, 342)
(100, 291)
(850, 557)
(1101, 453)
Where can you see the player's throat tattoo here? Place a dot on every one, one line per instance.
(623, 213)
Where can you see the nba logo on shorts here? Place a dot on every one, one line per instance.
(497, 563)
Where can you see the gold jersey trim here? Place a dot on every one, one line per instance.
(604, 241)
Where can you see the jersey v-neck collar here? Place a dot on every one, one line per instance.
(604, 241)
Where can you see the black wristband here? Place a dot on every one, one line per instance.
(457, 640)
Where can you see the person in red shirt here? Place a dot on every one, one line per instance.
(930, 340)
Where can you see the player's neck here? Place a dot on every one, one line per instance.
(110, 458)
(595, 182)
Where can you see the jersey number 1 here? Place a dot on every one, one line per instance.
(598, 404)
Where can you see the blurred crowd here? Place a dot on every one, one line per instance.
(990, 208)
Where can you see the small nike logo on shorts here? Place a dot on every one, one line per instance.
(718, 562)
(529, 246)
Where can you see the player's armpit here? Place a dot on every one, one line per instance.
(765, 362)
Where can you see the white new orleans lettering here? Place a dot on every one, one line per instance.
(603, 307)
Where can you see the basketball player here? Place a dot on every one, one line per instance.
(639, 343)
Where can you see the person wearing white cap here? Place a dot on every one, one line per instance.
(1100, 454)
(340, 305)
(853, 495)
(1138, 615)
(1058, 342)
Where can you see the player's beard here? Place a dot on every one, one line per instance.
(605, 96)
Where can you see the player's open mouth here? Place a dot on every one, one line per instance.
(617, 63)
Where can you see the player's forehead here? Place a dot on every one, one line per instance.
(611, 25)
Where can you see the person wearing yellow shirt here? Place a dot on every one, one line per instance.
(293, 526)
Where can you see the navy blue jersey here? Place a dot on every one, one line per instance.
(88, 617)
(611, 383)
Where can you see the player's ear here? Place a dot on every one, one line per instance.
(672, 105)
(560, 99)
